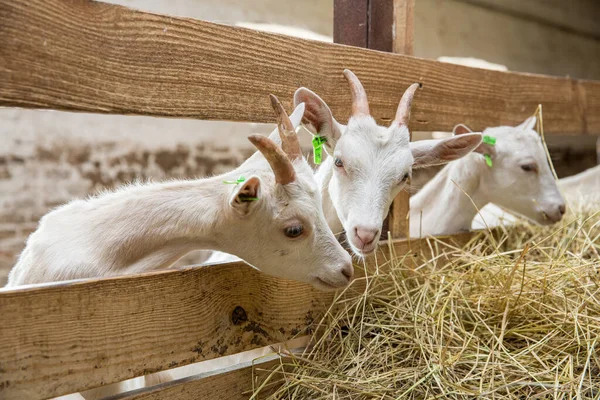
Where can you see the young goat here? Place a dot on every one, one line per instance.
(273, 220)
(369, 164)
(578, 190)
(519, 180)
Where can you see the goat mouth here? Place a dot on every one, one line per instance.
(325, 285)
(547, 219)
(365, 251)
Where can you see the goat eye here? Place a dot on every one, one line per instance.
(405, 177)
(294, 231)
(338, 163)
(529, 167)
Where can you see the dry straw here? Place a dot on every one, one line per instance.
(513, 314)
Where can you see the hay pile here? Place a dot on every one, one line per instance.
(512, 315)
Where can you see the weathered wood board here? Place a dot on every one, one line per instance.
(97, 57)
(67, 337)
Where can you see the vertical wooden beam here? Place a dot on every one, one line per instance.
(404, 32)
(350, 22)
(384, 25)
(403, 40)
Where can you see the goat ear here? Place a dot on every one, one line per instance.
(245, 195)
(483, 148)
(318, 118)
(528, 124)
(435, 152)
(461, 129)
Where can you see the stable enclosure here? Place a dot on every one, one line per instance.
(77, 55)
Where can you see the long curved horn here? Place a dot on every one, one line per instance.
(280, 163)
(360, 105)
(289, 140)
(403, 112)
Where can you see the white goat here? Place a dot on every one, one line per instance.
(273, 220)
(369, 167)
(369, 164)
(583, 188)
(519, 180)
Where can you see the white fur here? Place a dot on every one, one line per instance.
(375, 160)
(145, 227)
(449, 202)
(583, 188)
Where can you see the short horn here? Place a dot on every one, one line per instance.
(360, 105)
(287, 133)
(280, 163)
(403, 112)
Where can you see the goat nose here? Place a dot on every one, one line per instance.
(366, 234)
(348, 271)
(562, 209)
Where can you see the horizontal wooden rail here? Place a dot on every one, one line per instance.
(231, 384)
(63, 338)
(86, 56)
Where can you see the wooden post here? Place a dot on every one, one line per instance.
(384, 25)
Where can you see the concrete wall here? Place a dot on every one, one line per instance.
(47, 157)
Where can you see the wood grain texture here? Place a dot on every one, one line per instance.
(85, 56)
(350, 22)
(404, 30)
(63, 338)
(402, 43)
(231, 384)
(576, 16)
(380, 35)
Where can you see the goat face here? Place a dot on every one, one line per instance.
(520, 179)
(371, 164)
(283, 228)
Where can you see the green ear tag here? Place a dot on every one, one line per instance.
(488, 160)
(245, 199)
(317, 143)
(241, 179)
(489, 140)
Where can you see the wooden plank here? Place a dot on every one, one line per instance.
(98, 57)
(231, 384)
(381, 20)
(404, 30)
(69, 337)
(391, 29)
(63, 338)
(403, 43)
(350, 22)
(576, 16)
(235, 382)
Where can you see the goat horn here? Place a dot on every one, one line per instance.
(289, 140)
(403, 112)
(360, 105)
(280, 163)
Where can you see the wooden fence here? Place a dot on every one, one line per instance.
(78, 55)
